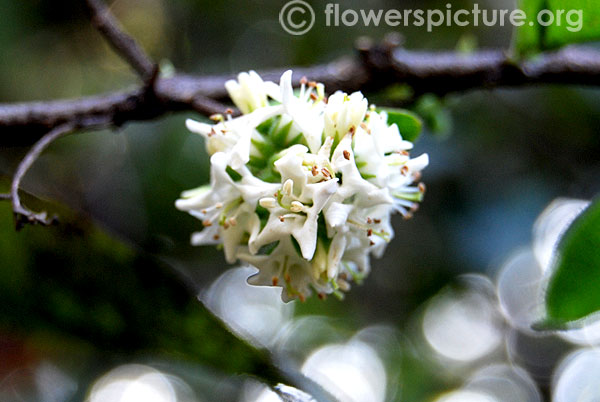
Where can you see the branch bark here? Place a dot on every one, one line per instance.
(124, 45)
(377, 67)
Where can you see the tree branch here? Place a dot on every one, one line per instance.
(378, 67)
(124, 45)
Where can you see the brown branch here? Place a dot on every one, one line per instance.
(124, 45)
(378, 67)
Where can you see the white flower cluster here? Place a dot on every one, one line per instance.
(302, 186)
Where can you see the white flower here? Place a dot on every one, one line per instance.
(303, 188)
(249, 92)
(343, 113)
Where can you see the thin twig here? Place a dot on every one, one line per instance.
(123, 44)
(22, 214)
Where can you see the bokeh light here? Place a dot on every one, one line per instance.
(134, 383)
(256, 313)
(464, 325)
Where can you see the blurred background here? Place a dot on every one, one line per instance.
(105, 305)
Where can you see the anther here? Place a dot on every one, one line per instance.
(288, 187)
(314, 170)
(369, 232)
(303, 80)
(206, 223)
(404, 170)
(297, 206)
(275, 281)
(345, 286)
(267, 202)
(346, 154)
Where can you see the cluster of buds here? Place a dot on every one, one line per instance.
(302, 186)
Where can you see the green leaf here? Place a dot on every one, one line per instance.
(409, 124)
(235, 176)
(574, 288)
(569, 21)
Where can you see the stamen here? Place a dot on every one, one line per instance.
(346, 154)
(217, 117)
